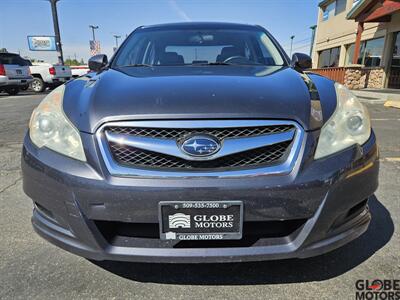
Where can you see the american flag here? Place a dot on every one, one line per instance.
(94, 47)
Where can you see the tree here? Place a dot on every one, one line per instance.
(71, 62)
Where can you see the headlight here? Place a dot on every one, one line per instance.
(50, 128)
(349, 124)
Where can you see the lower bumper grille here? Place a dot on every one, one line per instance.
(127, 234)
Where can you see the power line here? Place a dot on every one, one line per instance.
(287, 49)
(303, 46)
(297, 42)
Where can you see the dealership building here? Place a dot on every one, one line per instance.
(357, 42)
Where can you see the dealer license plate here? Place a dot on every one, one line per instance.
(201, 220)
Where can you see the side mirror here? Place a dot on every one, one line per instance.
(97, 62)
(301, 62)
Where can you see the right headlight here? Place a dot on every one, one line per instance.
(349, 124)
(49, 127)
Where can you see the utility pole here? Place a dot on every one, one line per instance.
(116, 40)
(291, 45)
(93, 28)
(312, 38)
(57, 31)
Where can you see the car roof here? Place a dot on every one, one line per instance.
(202, 25)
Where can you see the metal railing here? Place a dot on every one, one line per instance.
(337, 74)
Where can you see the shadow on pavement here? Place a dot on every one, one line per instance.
(317, 268)
(25, 93)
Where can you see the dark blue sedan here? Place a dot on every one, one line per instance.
(200, 142)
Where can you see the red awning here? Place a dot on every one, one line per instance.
(381, 13)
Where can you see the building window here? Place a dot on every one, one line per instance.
(329, 11)
(370, 55)
(329, 58)
(371, 52)
(394, 75)
(340, 6)
(396, 51)
(334, 8)
(349, 54)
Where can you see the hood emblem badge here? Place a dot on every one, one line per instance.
(200, 146)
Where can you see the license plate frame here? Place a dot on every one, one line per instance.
(223, 211)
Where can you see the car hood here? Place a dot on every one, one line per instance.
(209, 92)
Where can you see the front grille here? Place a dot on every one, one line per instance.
(220, 133)
(155, 148)
(135, 157)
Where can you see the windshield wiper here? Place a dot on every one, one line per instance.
(217, 63)
(221, 63)
(136, 65)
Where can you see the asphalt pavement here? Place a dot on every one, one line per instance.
(31, 268)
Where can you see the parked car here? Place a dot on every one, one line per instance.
(200, 142)
(78, 71)
(48, 75)
(14, 73)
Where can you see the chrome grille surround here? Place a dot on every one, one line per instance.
(230, 146)
(219, 133)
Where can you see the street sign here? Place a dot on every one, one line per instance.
(42, 43)
(94, 47)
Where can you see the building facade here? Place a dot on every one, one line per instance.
(357, 42)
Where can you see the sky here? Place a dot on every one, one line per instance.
(20, 18)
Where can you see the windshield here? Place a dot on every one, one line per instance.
(203, 47)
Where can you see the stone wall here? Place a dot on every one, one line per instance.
(358, 78)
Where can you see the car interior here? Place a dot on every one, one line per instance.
(196, 48)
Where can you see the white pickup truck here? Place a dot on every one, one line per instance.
(48, 75)
(79, 71)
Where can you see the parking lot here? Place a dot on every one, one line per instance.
(33, 268)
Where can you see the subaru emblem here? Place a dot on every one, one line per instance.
(200, 145)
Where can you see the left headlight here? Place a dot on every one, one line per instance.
(349, 124)
(50, 128)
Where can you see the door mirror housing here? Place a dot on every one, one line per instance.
(98, 62)
(301, 62)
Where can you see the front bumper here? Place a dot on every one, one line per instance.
(72, 199)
